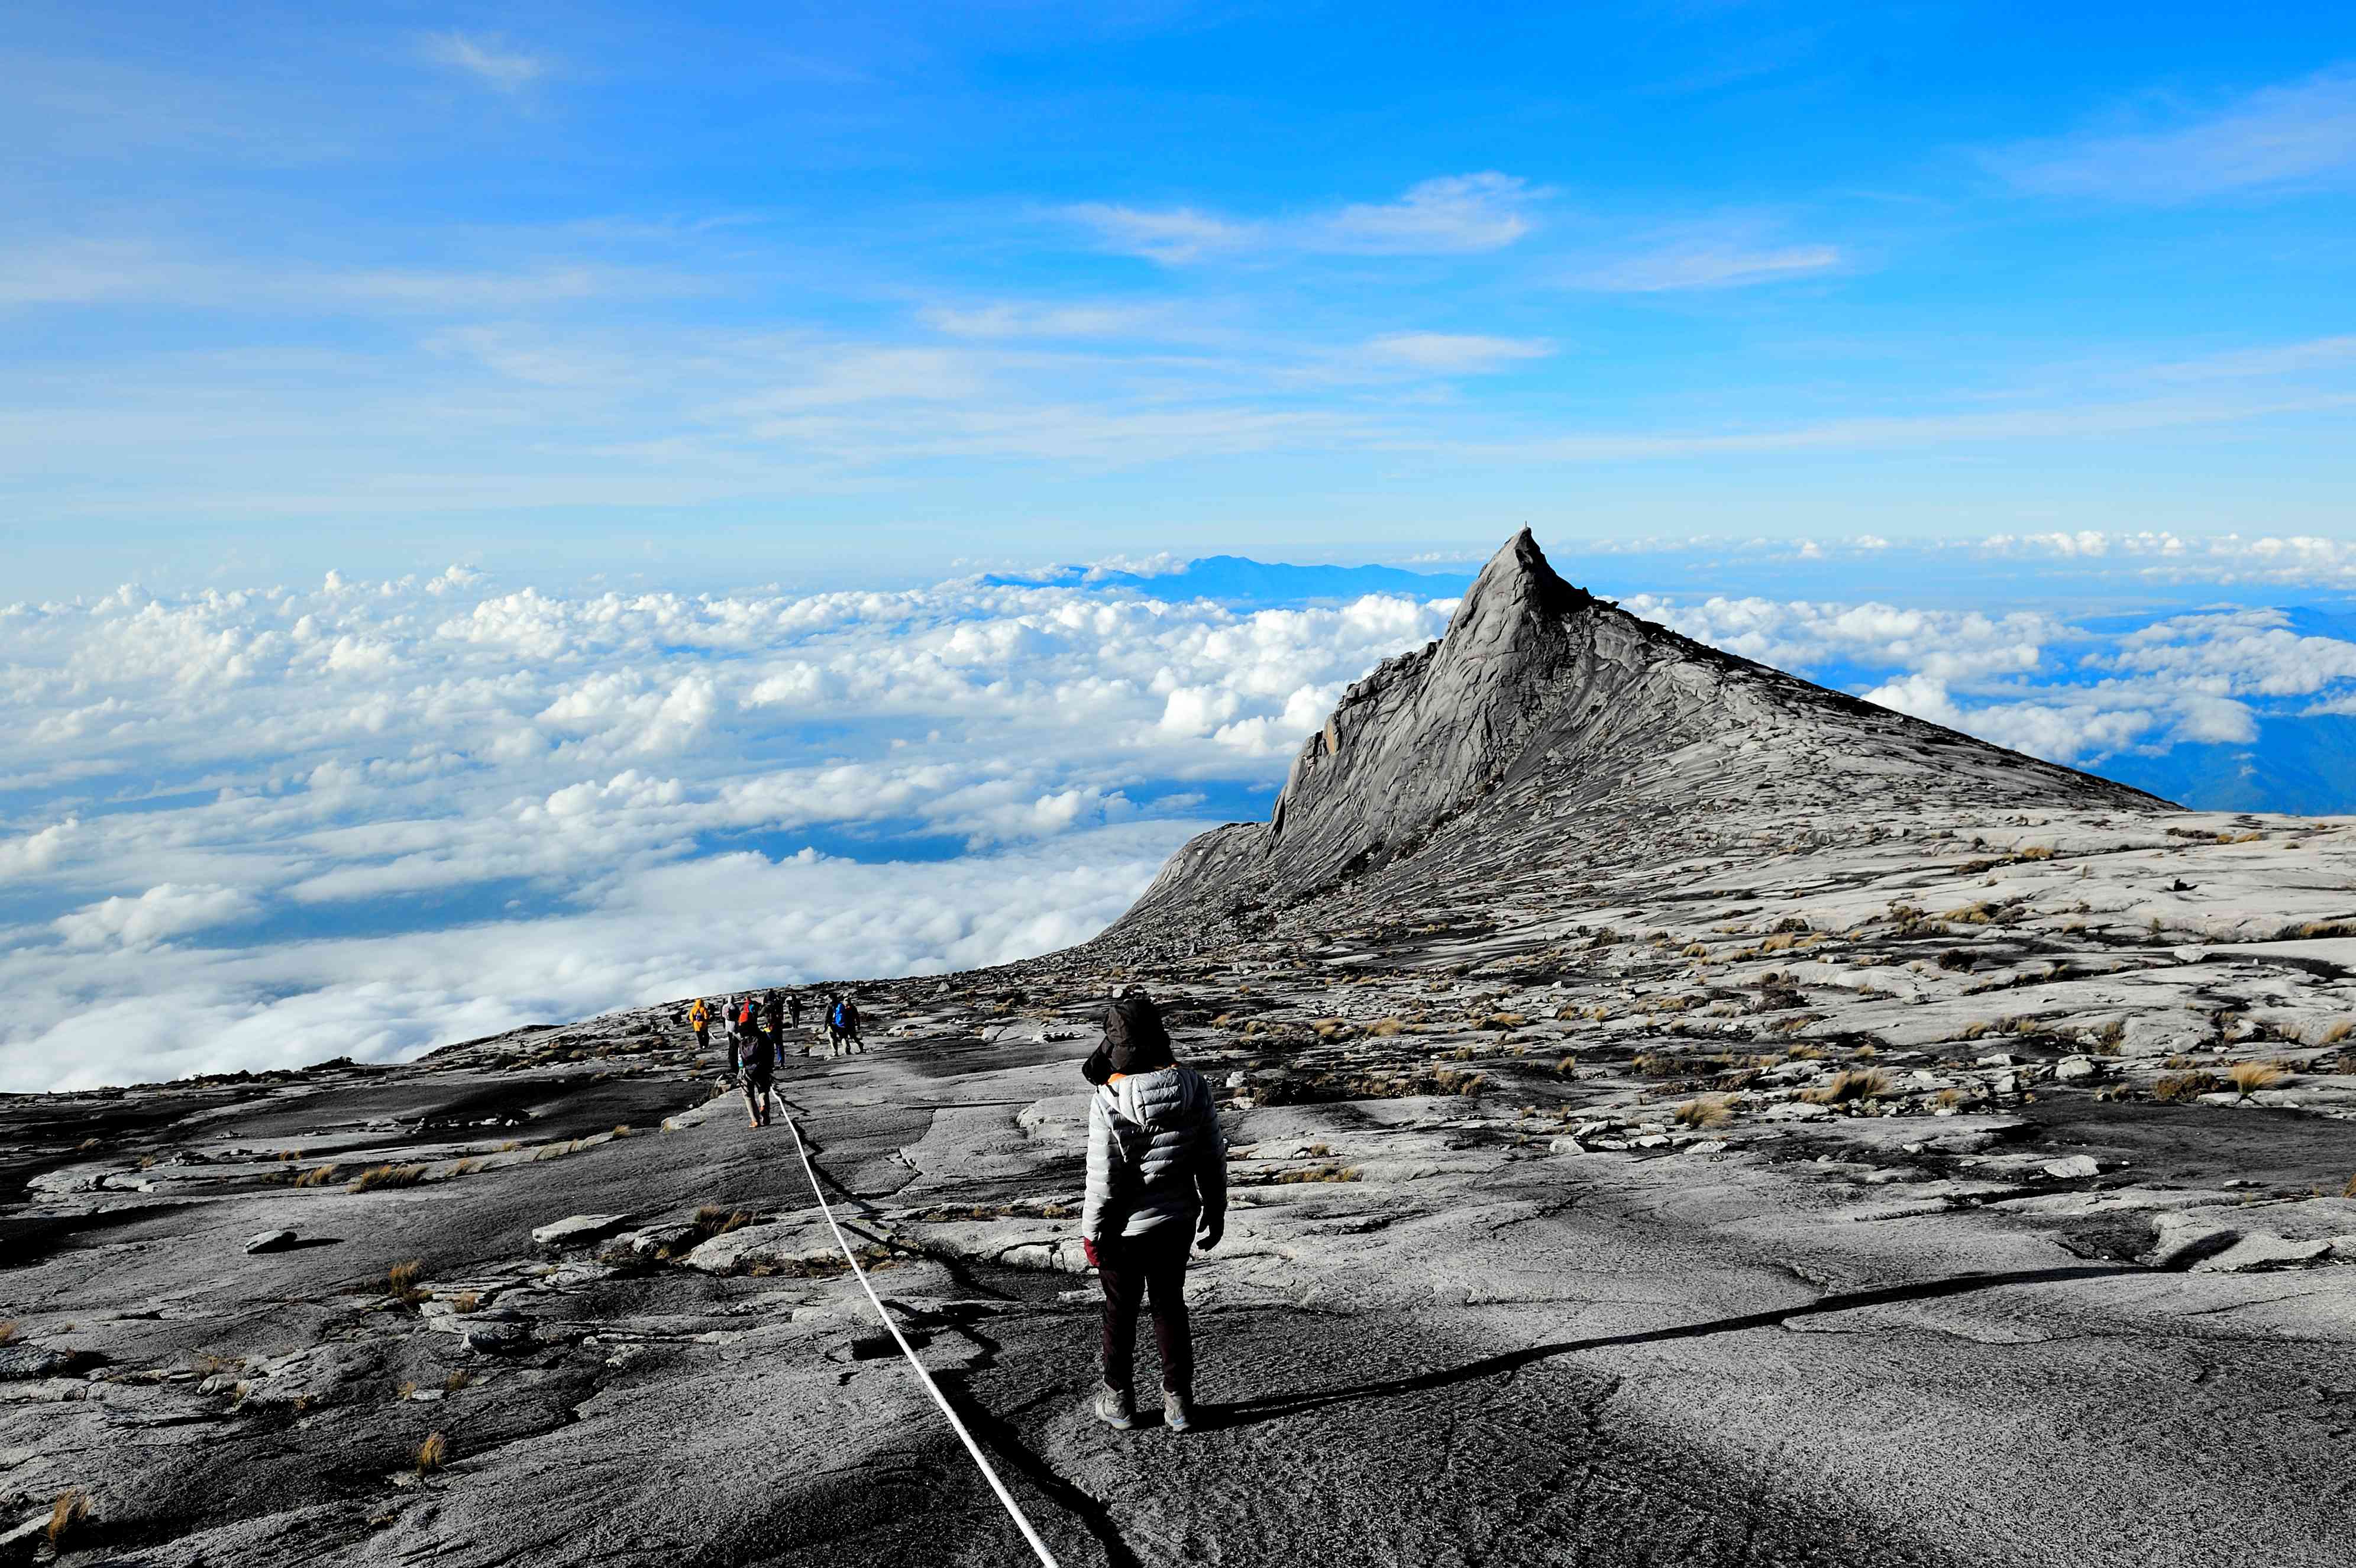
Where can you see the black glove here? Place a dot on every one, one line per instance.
(1209, 1230)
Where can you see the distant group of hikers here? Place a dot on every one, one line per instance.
(1157, 1173)
(757, 1037)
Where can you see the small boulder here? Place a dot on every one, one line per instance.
(499, 1338)
(2072, 1069)
(577, 1229)
(2260, 1250)
(2182, 1241)
(270, 1242)
(2076, 1167)
(25, 1364)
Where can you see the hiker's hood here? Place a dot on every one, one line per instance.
(1171, 1097)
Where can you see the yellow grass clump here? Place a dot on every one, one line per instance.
(2249, 1077)
(67, 1514)
(1705, 1111)
(378, 1176)
(401, 1281)
(1866, 1084)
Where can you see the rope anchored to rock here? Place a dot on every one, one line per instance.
(1013, 1510)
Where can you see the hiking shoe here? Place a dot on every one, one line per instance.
(1117, 1408)
(1177, 1410)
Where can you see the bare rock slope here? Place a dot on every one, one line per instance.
(1786, 1136)
(1545, 707)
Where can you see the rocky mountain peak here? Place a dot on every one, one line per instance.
(1546, 714)
(1519, 590)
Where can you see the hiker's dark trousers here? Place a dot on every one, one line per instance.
(756, 1095)
(1135, 1269)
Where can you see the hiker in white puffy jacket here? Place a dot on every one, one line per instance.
(1157, 1181)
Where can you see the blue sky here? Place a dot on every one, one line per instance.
(703, 295)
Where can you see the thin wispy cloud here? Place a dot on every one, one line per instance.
(1440, 216)
(1008, 319)
(1708, 265)
(1172, 236)
(1456, 353)
(2281, 359)
(1454, 215)
(488, 60)
(2280, 137)
(83, 271)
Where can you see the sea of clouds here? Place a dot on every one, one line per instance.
(265, 827)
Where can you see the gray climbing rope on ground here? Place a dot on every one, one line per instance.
(1013, 1508)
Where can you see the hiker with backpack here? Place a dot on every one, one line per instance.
(756, 1069)
(842, 1026)
(699, 1018)
(773, 1012)
(1157, 1181)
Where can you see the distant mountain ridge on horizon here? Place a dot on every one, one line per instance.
(1257, 584)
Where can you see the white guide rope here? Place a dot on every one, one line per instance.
(1013, 1509)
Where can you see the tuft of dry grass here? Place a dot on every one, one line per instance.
(433, 1453)
(377, 1176)
(67, 1514)
(401, 1282)
(317, 1176)
(1705, 1111)
(622, 1131)
(468, 1301)
(2249, 1077)
(1856, 1083)
(459, 1378)
(2348, 1191)
(1504, 1021)
(1952, 1096)
(2337, 1032)
(2036, 852)
(2189, 1085)
(8, 1332)
(1385, 1027)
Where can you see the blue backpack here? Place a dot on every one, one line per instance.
(841, 1018)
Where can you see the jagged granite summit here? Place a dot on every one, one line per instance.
(1545, 710)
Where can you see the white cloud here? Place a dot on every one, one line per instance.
(2300, 134)
(1707, 265)
(1172, 236)
(156, 915)
(500, 783)
(1010, 319)
(489, 60)
(1453, 215)
(1464, 212)
(1456, 354)
(37, 851)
